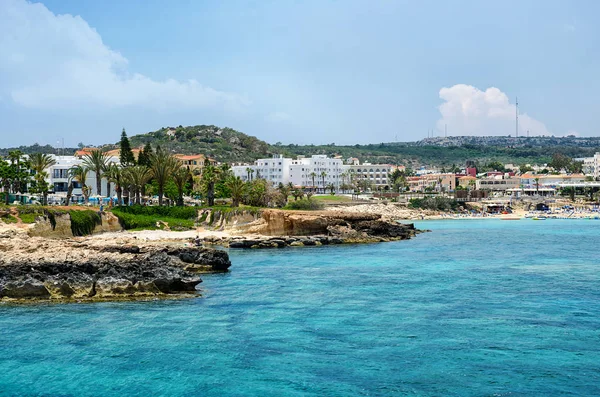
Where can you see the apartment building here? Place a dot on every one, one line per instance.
(591, 165)
(376, 174)
(498, 183)
(432, 182)
(302, 171)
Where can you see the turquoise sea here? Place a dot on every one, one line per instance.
(475, 308)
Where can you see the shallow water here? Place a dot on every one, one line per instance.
(477, 307)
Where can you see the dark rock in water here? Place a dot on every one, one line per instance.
(121, 249)
(24, 287)
(108, 273)
(380, 228)
(213, 260)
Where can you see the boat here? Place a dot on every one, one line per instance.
(539, 218)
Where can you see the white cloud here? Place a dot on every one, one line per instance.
(469, 111)
(58, 61)
(277, 117)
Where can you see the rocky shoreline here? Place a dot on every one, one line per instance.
(33, 268)
(123, 266)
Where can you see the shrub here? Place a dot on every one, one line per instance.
(83, 223)
(141, 217)
(434, 203)
(304, 204)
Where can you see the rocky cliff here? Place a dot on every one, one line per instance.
(347, 227)
(52, 225)
(78, 269)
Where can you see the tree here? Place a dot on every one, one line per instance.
(237, 187)
(284, 190)
(97, 162)
(126, 154)
(297, 193)
(560, 161)
(181, 177)
(313, 175)
(398, 180)
(39, 163)
(537, 186)
(6, 175)
(221, 187)
(323, 175)
(163, 165)
(525, 168)
(575, 167)
(144, 156)
(114, 175)
(209, 178)
(79, 174)
(249, 171)
(331, 188)
(16, 157)
(136, 176)
(344, 175)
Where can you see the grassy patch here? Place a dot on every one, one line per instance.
(152, 218)
(331, 198)
(8, 218)
(83, 223)
(28, 217)
(434, 203)
(304, 204)
(177, 218)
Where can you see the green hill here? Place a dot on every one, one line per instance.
(223, 144)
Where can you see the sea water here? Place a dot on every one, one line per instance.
(474, 308)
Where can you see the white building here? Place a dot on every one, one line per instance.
(591, 165)
(58, 177)
(318, 172)
(323, 170)
(498, 183)
(376, 174)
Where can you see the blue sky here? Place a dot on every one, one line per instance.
(297, 71)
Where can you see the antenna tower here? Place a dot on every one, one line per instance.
(517, 116)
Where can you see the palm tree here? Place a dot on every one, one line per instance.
(181, 178)
(15, 157)
(297, 193)
(114, 174)
(323, 175)
(6, 174)
(209, 178)
(163, 165)
(97, 162)
(237, 188)
(79, 174)
(344, 175)
(39, 163)
(285, 192)
(331, 188)
(249, 171)
(313, 175)
(136, 176)
(537, 186)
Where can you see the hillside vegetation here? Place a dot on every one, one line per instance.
(228, 145)
(224, 144)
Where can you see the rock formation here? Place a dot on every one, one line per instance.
(78, 269)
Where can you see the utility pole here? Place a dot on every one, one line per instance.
(517, 116)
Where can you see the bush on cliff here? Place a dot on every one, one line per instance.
(151, 218)
(304, 204)
(83, 223)
(434, 203)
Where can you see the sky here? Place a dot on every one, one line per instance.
(290, 71)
